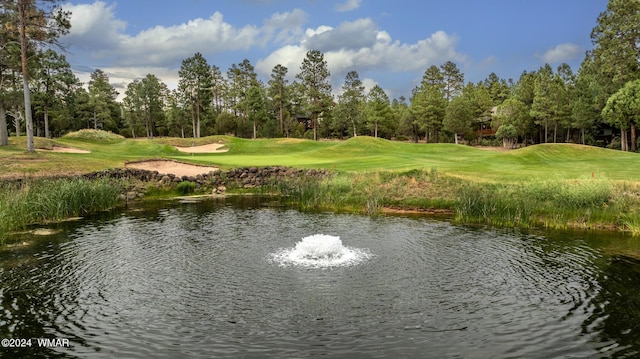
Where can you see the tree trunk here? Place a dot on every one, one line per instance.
(568, 135)
(633, 137)
(281, 114)
(375, 131)
(314, 122)
(193, 121)
(623, 140)
(95, 120)
(582, 130)
(455, 135)
(198, 119)
(555, 132)
(255, 130)
(46, 123)
(25, 74)
(17, 115)
(546, 131)
(4, 131)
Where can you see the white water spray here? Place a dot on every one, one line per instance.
(320, 251)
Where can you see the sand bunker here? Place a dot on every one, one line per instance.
(172, 167)
(210, 148)
(65, 150)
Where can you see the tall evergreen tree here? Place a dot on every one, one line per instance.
(350, 103)
(241, 77)
(379, 113)
(616, 40)
(36, 23)
(195, 84)
(53, 77)
(102, 98)
(623, 110)
(314, 76)
(278, 93)
(564, 98)
(498, 88)
(453, 80)
(543, 101)
(218, 88)
(585, 109)
(428, 103)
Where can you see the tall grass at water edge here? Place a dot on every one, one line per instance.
(41, 201)
(559, 204)
(370, 192)
(588, 203)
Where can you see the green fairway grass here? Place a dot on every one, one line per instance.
(546, 161)
(556, 161)
(553, 185)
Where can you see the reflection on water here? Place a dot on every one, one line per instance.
(200, 280)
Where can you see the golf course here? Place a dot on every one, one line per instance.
(546, 185)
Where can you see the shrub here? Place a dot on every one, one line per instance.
(94, 135)
(186, 187)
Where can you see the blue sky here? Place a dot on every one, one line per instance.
(390, 43)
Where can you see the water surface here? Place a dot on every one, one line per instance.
(200, 280)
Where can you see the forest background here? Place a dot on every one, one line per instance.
(597, 104)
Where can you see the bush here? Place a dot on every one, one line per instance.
(186, 187)
(94, 135)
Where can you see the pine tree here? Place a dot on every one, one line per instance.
(314, 76)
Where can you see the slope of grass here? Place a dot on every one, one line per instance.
(538, 184)
(548, 161)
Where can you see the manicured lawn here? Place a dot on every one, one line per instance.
(540, 162)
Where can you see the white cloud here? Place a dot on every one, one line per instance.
(378, 53)
(161, 45)
(95, 29)
(348, 5)
(289, 56)
(348, 35)
(98, 39)
(285, 27)
(562, 53)
(120, 77)
(93, 26)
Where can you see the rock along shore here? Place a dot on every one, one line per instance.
(216, 181)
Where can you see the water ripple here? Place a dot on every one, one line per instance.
(200, 281)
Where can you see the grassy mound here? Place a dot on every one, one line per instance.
(93, 135)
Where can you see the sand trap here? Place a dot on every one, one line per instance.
(65, 150)
(210, 148)
(172, 167)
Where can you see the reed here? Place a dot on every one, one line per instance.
(554, 204)
(631, 222)
(370, 192)
(41, 201)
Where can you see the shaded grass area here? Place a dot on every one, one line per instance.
(39, 201)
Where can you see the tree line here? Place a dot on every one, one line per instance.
(599, 104)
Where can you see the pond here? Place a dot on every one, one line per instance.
(244, 278)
